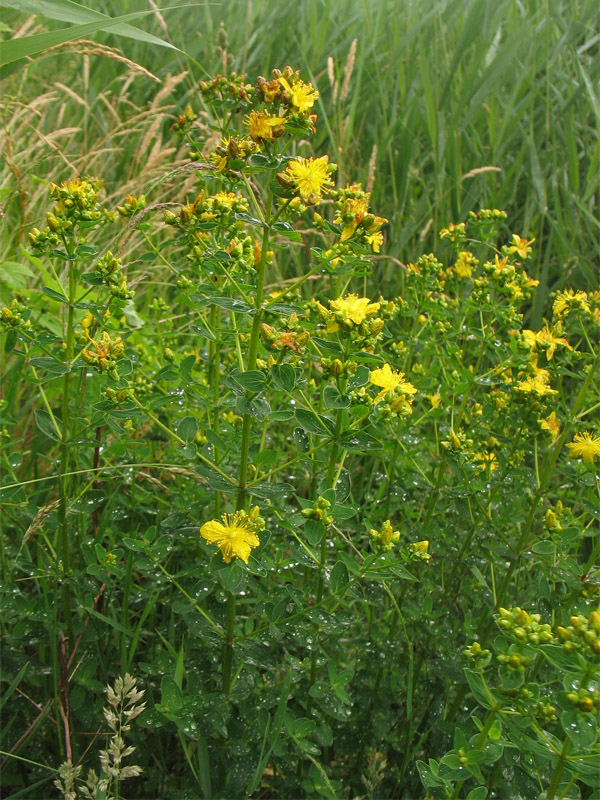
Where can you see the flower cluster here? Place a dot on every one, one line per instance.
(352, 212)
(524, 627)
(105, 354)
(11, 317)
(385, 538)
(109, 270)
(76, 202)
(582, 634)
(395, 390)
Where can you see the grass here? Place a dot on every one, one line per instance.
(463, 111)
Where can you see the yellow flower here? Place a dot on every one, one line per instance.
(551, 424)
(464, 264)
(568, 301)
(311, 177)
(536, 384)
(389, 381)
(583, 446)
(487, 459)
(521, 246)
(235, 536)
(356, 208)
(302, 95)
(419, 550)
(260, 125)
(352, 309)
(375, 240)
(545, 338)
(435, 399)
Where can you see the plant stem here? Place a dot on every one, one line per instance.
(228, 644)
(558, 770)
(253, 351)
(64, 456)
(215, 349)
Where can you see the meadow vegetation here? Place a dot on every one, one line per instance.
(299, 403)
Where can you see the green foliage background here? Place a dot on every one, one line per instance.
(347, 674)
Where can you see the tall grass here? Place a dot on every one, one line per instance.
(468, 104)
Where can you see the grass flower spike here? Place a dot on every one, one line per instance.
(584, 446)
(236, 535)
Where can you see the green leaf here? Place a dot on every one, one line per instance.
(353, 566)
(478, 793)
(331, 347)
(338, 577)
(544, 548)
(359, 441)
(187, 429)
(333, 398)
(131, 315)
(313, 423)
(68, 11)
(475, 681)
(44, 422)
(15, 275)
(314, 531)
(284, 376)
(231, 304)
(233, 577)
(15, 49)
(285, 309)
(270, 491)
(257, 407)
(360, 377)
(252, 379)
(203, 330)
(50, 365)
(582, 729)
(54, 295)
(11, 340)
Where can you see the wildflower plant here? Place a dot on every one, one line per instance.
(295, 502)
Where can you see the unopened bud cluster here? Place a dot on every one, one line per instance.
(76, 202)
(105, 354)
(251, 519)
(319, 511)
(582, 634)
(524, 627)
(132, 205)
(383, 540)
(419, 550)
(11, 316)
(108, 268)
(514, 660)
(476, 653)
(585, 700)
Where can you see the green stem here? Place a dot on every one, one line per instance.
(329, 482)
(558, 770)
(228, 644)
(64, 456)
(253, 352)
(215, 355)
(479, 743)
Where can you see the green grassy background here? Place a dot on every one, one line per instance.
(469, 104)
